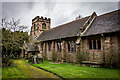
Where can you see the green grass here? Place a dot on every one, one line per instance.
(0, 73)
(31, 71)
(12, 72)
(71, 71)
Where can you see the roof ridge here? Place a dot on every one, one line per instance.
(66, 23)
(108, 13)
(85, 17)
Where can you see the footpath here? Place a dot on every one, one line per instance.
(33, 72)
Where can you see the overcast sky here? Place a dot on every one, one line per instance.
(59, 12)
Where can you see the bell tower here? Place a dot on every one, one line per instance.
(39, 25)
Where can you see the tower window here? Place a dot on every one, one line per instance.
(43, 26)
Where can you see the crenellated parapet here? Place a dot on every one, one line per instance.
(39, 25)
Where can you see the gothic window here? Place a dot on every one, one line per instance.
(43, 26)
(59, 46)
(95, 44)
(68, 46)
(72, 47)
(99, 44)
(49, 45)
(90, 44)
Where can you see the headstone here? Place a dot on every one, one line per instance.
(40, 58)
(34, 59)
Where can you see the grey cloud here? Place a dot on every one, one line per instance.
(59, 12)
(30, 5)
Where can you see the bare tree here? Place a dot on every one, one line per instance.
(13, 25)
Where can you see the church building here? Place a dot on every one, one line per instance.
(89, 40)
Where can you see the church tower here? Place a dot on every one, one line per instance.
(39, 25)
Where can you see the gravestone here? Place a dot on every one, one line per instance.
(35, 59)
(39, 58)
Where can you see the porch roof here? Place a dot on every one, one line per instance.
(31, 48)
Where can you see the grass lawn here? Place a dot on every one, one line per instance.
(22, 70)
(31, 71)
(12, 72)
(71, 71)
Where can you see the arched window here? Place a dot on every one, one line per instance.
(72, 47)
(59, 46)
(43, 26)
(68, 46)
(49, 46)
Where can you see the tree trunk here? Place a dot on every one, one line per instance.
(5, 51)
(11, 52)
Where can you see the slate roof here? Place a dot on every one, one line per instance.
(70, 29)
(105, 23)
(31, 47)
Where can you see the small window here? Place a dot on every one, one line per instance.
(59, 46)
(68, 46)
(90, 44)
(43, 26)
(72, 44)
(94, 44)
(99, 44)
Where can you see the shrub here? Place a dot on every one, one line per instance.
(6, 62)
(80, 56)
(108, 60)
